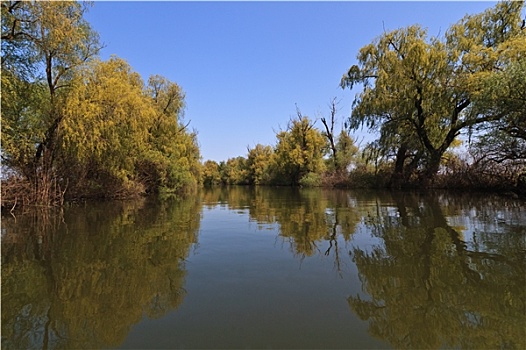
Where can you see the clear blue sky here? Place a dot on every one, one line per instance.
(246, 65)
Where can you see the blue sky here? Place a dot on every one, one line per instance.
(246, 65)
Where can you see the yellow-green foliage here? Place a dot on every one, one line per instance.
(22, 121)
(107, 118)
(92, 125)
(115, 126)
(259, 163)
(234, 171)
(210, 173)
(347, 151)
(299, 151)
(174, 151)
(43, 43)
(420, 88)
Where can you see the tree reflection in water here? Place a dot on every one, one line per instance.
(83, 278)
(449, 270)
(429, 287)
(435, 270)
(306, 217)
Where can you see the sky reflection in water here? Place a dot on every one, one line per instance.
(268, 268)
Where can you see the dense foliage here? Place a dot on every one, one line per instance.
(76, 126)
(421, 94)
(448, 112)
(300, 157)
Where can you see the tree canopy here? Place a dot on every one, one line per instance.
(427, 89)
(76, 125)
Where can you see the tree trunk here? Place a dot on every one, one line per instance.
(397, 177)
(431, 169)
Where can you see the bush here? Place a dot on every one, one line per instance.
(310, 180)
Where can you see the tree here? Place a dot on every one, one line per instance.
(174, 154)
(211, 175)
(234, 171)
(415, 87)
(347, 150)
(104, 129)
(342, 147)
(43, 44)
(259, 164)
(120, 137)
(73, 121)
(503, 94)
(329, 134)
(299, 151)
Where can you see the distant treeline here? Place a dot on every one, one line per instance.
(74, 126)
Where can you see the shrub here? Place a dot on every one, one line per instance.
(310, 180)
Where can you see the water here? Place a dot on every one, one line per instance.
(268, 268)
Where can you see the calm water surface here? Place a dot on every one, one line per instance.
(268, 268)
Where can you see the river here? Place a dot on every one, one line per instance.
(264, 267)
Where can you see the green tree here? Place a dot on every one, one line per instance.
(415, 87)
(104, 129)
(299, 151)
(43, 44)
(93, 127)
(503, 94)
(211, 175)
(234, 171)
(124, 138)
(259, 164)
(347, 150)
(174, 153)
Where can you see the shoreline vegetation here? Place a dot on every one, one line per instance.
(448, 112)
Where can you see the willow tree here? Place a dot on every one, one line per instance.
(234, 171)
(120, 137)
(502, 94)
(43, 44)
(173, 161)
(104, 129)
(422, 88)
(299, 151)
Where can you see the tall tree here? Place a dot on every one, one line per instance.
(122, 137)
(43, 44)
(346, 151)
(174, 155)
(330, 134)
(341, 146)
(419, 87)
(503, 94)
(210, 173)
(105, 128)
